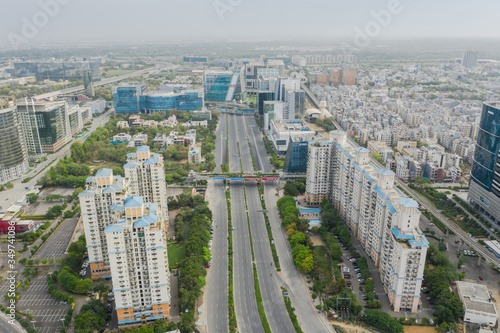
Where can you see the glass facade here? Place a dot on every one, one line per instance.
(126, 98)
(13, 152)
(188, 101)
(487, 149)
(52, 125)
(296, 157)
(263, 96)
(216, 86)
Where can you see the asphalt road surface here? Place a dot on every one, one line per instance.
(221, 143)
(246, 158)
(276, 312)
(57, 243)
(234, 153)
(245, 303)
(258, 149)
(217, 279)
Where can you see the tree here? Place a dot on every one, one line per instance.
(290, 189)
(31, 197)
(83, 286)
(303, 258)
(298, 238)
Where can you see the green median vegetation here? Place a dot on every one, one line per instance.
(260, 304)
(233, 325)
(291, 312)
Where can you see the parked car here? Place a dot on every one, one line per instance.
(481, 278)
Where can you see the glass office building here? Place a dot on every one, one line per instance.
(126, 97)
(296, 156)
(45, 125)
(220, 86)
(13, 152)
(484, 187)
(158, 101)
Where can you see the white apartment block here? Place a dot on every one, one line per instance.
(137, 251)
(318, 171)
(102, 192)
(146, 174)
(383, 220)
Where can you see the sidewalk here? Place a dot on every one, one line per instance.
(17, 326)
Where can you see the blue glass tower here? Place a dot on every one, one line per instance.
(296, 156)
(484, 188)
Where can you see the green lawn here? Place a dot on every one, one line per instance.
(325, 263)
(176, 253)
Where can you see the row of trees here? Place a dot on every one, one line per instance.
(438, 275)
(296, 230)
(192, 268)
(66, 173)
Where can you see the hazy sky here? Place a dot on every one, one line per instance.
(149, 20)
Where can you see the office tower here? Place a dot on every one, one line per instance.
(260, 69)
(146, 174)
(469, 59)
(336, 77)
(296, 155)
(126, 97)
(273, 110)
(484, 186)
(45, 125)
(103, 192)
(296, 103)
(13, 152)
(136, 242)
(384, 221)
(318, 171)
(224, 85)
(263, 96)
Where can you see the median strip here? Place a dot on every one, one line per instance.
(233, 325)
(269, 232)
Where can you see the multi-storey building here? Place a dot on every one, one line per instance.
(383, 220)
(146, 174)
(224, 85)
(13, 152)
(484, 187)
(469, 59)
(57, 70)
(103, 191)
(318, 171)
(136, 243)
(45, 125)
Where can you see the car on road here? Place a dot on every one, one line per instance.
(347, 276)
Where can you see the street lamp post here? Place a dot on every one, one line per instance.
(33, 322)
(62, 319)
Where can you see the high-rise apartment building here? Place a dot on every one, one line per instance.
(383, 219)
(13, 152)
(469, 59)
(318, 171)
(103, 192)
(136, 243)
(146, 174)
(484, 187)
(46, 126)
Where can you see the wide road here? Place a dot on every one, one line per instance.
(245, 303)
(246, 158)
(8, 197)
(221, 143)
(217, 279)
(258, 149)
(276, 312)
(309, 319)
(232, 137)
(5, 327)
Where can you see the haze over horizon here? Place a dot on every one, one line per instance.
(134, 21)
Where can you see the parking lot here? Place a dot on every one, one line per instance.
(56, 245)
(47, 310)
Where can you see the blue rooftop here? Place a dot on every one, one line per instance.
(142, 149)
(362, 150)
(131, 155)
(133, 202)
(85, 193)
(379, 191)
(113, 228)
(155, 159)
(113, 188)
(117, 208)
(104, 173)
(145, 221)
(130, 165)
(396, 233)
(408, 202)
(309, 210)
(370, 179)
(391, 206)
